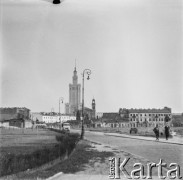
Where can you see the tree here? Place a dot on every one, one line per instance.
(37, 121)
(167, 118)
(78, 117)
(120, 111)
(87, 119)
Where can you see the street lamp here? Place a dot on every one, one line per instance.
(62, 100)
(52, 114)
(87, 72)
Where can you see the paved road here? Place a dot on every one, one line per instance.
(150, 150)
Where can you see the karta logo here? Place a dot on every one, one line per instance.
(116, 168)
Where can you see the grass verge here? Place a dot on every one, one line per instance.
(11, 163)
(77, 161)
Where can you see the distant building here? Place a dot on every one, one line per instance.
(99, 115)
(111, 120)
(74, 96)
(51, 117)
(89, 113)
(14, 113)
(15, 116)
(146, 117)
(93, 109)
(135, 117)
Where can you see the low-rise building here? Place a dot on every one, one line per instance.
(52, 117)
(14, 113)
(16, 117)
(147, 117)
(136, 118)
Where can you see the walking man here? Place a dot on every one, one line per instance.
(167, 129)
(156, 131)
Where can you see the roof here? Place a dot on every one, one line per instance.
(88, 109)
(110, 115)
(2, 108)
(164, 110)
(114, 117)
(8, 120)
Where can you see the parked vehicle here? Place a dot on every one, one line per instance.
(66, 127)
(133, 130)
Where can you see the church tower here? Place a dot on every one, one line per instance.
(93, 108)
(74, 95)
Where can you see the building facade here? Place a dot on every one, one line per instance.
(14, 113)
(74, 96)
(15, 117)
(135, 118)
(146, 117)
(52, 117)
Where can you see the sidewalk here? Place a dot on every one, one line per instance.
(82, 177)
(175, 140)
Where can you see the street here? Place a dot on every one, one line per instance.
(150, 150)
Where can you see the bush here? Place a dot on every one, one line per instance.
(68, 140)
(13, 163)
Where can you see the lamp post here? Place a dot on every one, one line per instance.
(87, 72)
(60, 99)
(52, 114)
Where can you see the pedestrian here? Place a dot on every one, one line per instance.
(156, 131)
(167, 129)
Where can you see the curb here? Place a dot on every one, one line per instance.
(55, 176)
(143, 139)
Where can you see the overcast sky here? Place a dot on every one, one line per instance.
(133, 48)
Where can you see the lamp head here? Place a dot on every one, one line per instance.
(88, 77)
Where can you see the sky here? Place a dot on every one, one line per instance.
(133, 48)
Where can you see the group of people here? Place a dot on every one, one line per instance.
(166, 130)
